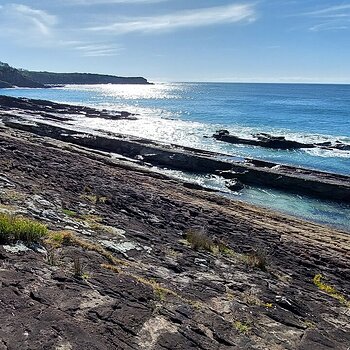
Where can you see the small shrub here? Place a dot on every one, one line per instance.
(309, 324)
(51, 257)
(242, 327)
(78, 268)
(19, 228)
(200, 240)
(257, 259)
(250, 297)
(87, 189)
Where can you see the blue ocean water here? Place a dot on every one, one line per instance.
(183, 113)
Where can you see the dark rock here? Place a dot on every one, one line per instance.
(276, 142)
(234, 185)
(341, 146)
(262, 140)
(194, 186)
(257, 173)
(48, 110)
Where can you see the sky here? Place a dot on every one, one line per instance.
(181, 40)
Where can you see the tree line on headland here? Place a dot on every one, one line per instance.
(12, 77)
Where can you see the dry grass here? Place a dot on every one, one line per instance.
(200, 240)
(111, 267)
(257, 259)
(70, 213)
(69, 238)
(94, 198)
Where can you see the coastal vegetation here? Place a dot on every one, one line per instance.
(330, 290)
(200, 240)
(10, 77)
(19, 228)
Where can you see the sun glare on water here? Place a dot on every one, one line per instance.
(133, 92)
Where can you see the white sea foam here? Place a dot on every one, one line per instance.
(327, 153)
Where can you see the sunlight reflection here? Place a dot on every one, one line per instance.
(133, 92)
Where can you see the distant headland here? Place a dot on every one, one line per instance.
(12, 77)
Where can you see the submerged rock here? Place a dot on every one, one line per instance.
(234, 185)
(275, 142)
(261, 139)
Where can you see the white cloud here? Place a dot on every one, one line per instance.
(328, 26)
(20, 20)
(31, 27)
(190, 18)
(332, 18)
(330, 11)
(98, 2)
(99, 50)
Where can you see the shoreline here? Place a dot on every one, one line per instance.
(49, 119)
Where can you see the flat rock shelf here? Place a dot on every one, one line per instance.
(136, 260)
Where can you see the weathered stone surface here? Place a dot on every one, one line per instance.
(169, 296)
(55, 111)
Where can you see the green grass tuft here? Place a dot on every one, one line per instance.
(70, 213)
(241, 327)
(19, 228)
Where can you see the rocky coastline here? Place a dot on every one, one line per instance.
(40, 117)
(276, 142)
(136, 260)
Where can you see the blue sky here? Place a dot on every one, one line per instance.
(181, 40)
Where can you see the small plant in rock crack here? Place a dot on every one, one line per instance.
(51, 257)
(199, 239)
(258, 258)
(70, 213)
(242, 327)
(79, 269)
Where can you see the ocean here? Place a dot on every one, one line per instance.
(185, 113)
